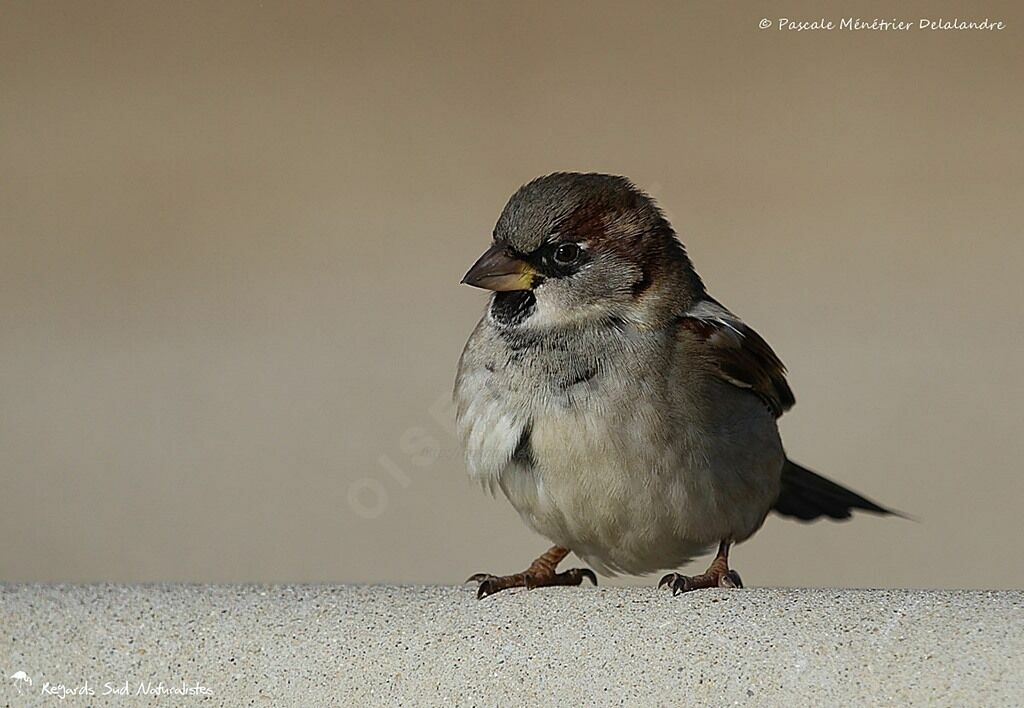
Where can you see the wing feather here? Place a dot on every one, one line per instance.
(739, 354)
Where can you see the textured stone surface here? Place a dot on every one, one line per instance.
(378, 645)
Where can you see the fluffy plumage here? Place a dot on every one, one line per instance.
(626, 414)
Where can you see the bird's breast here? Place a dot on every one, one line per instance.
(615, 457)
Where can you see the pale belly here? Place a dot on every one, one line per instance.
(628, 497)
(631, 472)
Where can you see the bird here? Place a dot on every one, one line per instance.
(627, 415)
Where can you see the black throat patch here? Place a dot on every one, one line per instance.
(512, 307)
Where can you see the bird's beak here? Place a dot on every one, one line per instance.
(497, 270)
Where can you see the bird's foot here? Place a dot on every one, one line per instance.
(718, 575)
(541, 573)
(490, 584)
(685, 583)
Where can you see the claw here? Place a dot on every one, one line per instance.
(478, 577)
(730, 580)
(486, 588)
(678, 583)
(588, 574)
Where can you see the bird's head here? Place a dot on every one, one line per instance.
(574, 249)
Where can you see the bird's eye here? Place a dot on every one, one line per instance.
(567, 253)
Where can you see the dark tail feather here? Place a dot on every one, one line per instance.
(807, 496)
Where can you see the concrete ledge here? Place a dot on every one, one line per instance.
(381, 645)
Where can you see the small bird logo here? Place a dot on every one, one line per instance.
(22, 678)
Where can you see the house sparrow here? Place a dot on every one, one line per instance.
(627, 415)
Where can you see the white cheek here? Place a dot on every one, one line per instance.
(550, 310)
(560, 307)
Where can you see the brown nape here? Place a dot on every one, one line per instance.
(666, 266)
(630, 225)
(641, 286)
(541, 573)
(670, 262)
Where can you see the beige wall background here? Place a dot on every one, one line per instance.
(232, 235)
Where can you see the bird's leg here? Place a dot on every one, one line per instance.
(717, 575)
(541, 573)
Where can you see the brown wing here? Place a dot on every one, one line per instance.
(740, 354)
